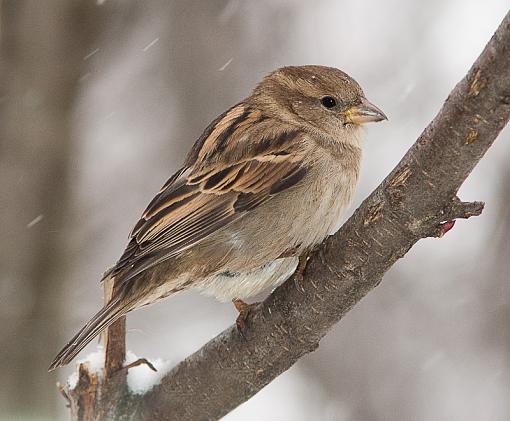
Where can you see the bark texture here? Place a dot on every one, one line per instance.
(417, 200)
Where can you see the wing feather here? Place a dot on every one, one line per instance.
(230, 171)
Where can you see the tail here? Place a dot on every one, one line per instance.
(103, 318)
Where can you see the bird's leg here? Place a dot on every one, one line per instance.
(303, 259)
(244, 310)
(300, 269)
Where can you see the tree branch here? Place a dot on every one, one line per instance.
(417, 200)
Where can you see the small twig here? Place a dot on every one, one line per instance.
(138, 362)
(464, 210)
(457, 209)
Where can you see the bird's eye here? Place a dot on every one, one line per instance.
(328, 101)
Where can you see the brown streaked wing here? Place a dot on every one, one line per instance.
(201, 199)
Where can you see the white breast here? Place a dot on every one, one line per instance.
(228, 286)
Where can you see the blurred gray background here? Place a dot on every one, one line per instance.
(100, 100)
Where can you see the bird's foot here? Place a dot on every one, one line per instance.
(244, 311)
(300, 269)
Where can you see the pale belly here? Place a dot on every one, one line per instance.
(232, 285)
(254, 265)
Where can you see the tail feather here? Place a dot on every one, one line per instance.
(103, 318)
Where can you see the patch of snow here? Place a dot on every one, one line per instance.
(72, 380)
(94, 362)
(141, 378)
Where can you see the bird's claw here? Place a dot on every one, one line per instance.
(244, 310)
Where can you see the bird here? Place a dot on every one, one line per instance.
(266, 182)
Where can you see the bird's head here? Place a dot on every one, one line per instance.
(323, 99)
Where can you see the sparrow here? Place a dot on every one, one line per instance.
(267, 181)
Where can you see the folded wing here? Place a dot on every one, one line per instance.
(238, 163)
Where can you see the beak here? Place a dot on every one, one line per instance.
(365, 112)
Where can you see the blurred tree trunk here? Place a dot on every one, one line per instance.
(42, 51)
